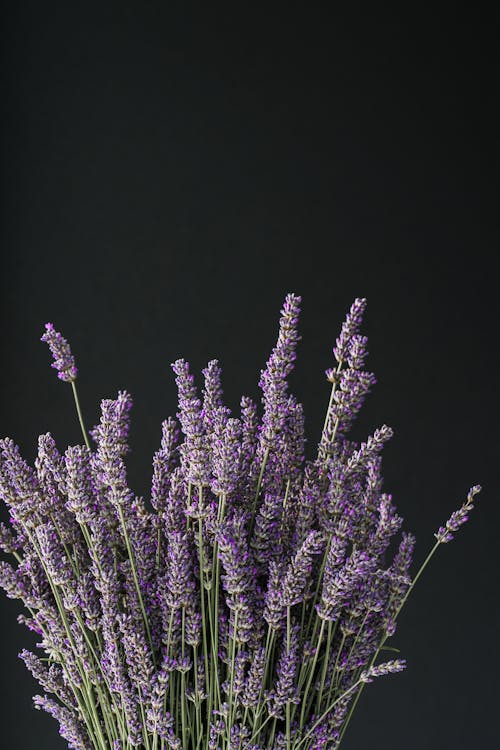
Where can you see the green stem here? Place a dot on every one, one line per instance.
(214, 673)
(285, 500)
(311, 673)
(336, 675)
(143, 716)
(257, 491)
(231, 675)
(325, 666)
(203, 613)
(197, 701)
(136, 581)
(271, 635)
(183, 685)
(80, 417)
(257, 731)
(313, 611)
(272, 732)
(287, 707)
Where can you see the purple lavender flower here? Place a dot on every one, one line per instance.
(320, 737)
(273, 377)
(19, 487)
(249, 427)
(458, 518)
(164, 463)
(362, 456)
(267, 542)
(354, 386)
(173, 514)
(389, 667)
(50, 467)
(335, 557)
(286, 687)
(226, 453)
(238, 577)
(64, 362)
(179, 579)
(216, 730)
(114, 427)
(70, 727)
(158, 720)
(297, 576)
(291, 442)
(212, 393)
(194, 450)
(357, 352)
(339, 587)
(8, 541)
(79, 488)
(254, 680)
(400, 580)
(274, 611)
(11, 582)
(389, 524)
(53, 555)
(137, 654)
(51, 678)
(350, 328)
(111, 436)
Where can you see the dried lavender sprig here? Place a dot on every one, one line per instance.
(64, 363)
(388, 667)
(342, 349)
(446, 533)
(194, 450)
(350, 328)
(457, 519)
(273, 379)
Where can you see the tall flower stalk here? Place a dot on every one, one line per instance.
(245, 604)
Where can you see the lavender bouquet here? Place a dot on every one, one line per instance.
(247, 603)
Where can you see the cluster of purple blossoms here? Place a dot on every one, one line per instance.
(244, 604)
(64, 362)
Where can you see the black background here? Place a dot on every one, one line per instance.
(169, 173)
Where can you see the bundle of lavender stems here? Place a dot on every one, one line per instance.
(245, 604)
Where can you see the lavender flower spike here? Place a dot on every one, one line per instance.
(388, 667)
(64, 362)
(350, 328)
(458, 518)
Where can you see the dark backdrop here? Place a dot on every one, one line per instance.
(169, 174)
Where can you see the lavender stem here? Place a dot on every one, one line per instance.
(80, 416)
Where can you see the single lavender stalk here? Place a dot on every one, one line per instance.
(64, 363)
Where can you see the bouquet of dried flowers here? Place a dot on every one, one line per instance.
(246, 604)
